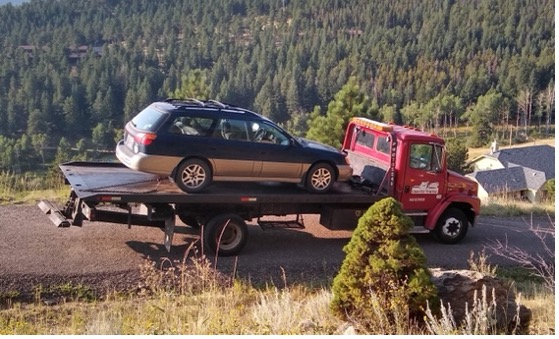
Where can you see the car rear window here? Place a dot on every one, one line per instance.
(149, 119)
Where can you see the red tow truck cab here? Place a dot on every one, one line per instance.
(414, 164)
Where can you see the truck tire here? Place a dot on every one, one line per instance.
(225, 234)
(187, 218)
(452, 226)
(193, 175)
(320, 178)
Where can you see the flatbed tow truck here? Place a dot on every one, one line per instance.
(388, 160)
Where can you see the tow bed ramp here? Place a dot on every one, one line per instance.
(95, 185)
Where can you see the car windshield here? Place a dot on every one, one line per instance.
(149, 119)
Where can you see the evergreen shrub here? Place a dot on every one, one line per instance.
(384, 267)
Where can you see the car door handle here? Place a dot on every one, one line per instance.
(406, 189)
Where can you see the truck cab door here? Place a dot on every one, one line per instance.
(424, 179)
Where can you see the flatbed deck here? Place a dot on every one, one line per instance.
(116, 183)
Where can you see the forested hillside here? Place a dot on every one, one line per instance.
(73, 71)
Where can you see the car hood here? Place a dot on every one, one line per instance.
(317, 145)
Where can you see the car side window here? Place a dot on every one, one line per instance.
(191, 125)
(232, 129)
(264, 133)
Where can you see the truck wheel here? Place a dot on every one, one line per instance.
(225, 234)
(320, 178)
(452, 226)
(193, 175)
(187, 218)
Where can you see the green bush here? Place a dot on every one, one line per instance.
(384, 268)
(549, 188)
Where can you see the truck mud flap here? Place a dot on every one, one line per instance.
(169, 231)
(54, 214)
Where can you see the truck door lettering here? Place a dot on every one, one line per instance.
(426, 187)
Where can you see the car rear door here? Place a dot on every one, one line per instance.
(231, 151)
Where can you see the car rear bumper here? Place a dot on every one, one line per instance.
(156, 164)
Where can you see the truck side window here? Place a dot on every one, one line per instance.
(383, 145)
(438, 158)
(421, 156)
(365, 139)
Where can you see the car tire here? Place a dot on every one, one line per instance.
(225, 234)
(193, 175)
(320, 178)
(452, 226)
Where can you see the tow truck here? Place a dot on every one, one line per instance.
(387, 160)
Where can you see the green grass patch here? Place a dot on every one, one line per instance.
(511, 208)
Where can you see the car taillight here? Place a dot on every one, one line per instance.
(145, 138)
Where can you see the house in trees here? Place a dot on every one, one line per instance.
(519, 173)
(74, 54)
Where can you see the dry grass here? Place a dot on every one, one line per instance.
(29, 187)
(173, 301)
(506, 207)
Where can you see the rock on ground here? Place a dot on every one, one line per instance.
(457, 289)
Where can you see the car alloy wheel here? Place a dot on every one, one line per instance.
(193, 175)
(321, 178)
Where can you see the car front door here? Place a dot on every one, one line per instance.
(279, 157)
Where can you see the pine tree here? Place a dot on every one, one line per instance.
(457, 155)
(384, 267)
(194, 84)
(349, 102)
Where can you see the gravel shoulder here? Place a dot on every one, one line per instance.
(105, 256)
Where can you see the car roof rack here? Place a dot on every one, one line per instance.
(202, 103)
(185, 101)
(218, 103)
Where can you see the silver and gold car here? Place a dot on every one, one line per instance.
(198, 142)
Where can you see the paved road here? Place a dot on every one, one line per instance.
(33, 250)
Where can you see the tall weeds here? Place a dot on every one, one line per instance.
(480, 317)
(13, 185)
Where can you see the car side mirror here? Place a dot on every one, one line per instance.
(288, 142)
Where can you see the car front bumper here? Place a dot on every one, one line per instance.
(344, 172)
